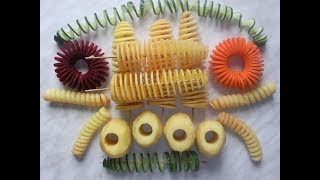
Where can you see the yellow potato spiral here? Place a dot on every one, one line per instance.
(75, 97)
(188, 27)
(160, 29)
(244, 99)
(148, 55)
(88, 130)
(246, 133)
(129, 106)
(156, 86)
(123, 32)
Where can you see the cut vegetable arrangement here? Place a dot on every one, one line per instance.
(159, 71)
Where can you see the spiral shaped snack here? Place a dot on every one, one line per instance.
(188, 27)
(88, 130)
(146, 56)
(138, 162)
(137, 87)
(210, 146)
(160, 29)
(206, 9)
(121, 143)
(182, 122)
(75, 97)
(167, 102)
(129, 106)
(244, 99)
(252, 60)
(123, 32)
(245, 132)
(73, 52)
(147, 138)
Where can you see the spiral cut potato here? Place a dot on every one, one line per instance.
(146, 138)
(246, 133)
(157, 85)
(206, 9)
(243, 99)
(123, 32)
(75, 97)
(188, 29)
(88, 130)
(129, 106)
(148, 55)
(120, 144)
(160, 29)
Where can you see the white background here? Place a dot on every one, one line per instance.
(60, 124)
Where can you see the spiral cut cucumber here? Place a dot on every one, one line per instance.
(174, 162)
(206, 9)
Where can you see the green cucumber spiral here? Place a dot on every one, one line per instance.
(174, 162)
(206, 9)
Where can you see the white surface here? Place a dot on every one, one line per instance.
(61, 123)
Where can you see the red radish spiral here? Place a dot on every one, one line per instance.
(68, 74)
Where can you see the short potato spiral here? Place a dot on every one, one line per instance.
(75, 97)
(245, 132)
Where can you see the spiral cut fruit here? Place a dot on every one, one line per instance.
(246, 133)
(160, 29)
(123, 32)
(74, 97)
(244, 99)
(205, 9)
(250, 56)
(151, 55)
(174, 162)
(68, 74)
(88, 130)
(188, 27)
(156, 85)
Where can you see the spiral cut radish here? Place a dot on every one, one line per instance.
(174, 162)
(159, 85)
(146, 56)
(243, 99)
(75, 97)
(205, 9)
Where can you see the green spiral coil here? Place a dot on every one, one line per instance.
(207, 9)
(174, 162)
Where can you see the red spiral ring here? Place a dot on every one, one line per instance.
(68, 74)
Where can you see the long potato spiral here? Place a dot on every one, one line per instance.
(75, 97)
(151, 55)
(246, 133)
(188, 29)
(161, 29)
(244, 99)
(156, 85)
(88, 130)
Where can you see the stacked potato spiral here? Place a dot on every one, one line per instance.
(148, 70)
